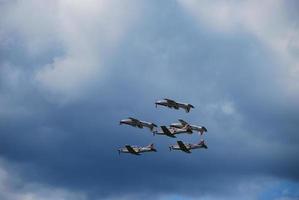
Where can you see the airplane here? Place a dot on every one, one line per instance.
(187, 147)
(183, 123)
(137, 150)
(173, 104)
(138, 123)
(171, 131)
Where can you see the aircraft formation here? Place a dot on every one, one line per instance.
(180, 127)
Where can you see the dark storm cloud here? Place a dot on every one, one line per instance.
(232, 81)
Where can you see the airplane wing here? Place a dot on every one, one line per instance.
(131, 150)
(171, 101)
(167, 132)
(184, 123)
(188, 128)
(183, 147)
(134, 119)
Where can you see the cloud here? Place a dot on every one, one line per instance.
(268, 21)
(85, 32)
(13, 188)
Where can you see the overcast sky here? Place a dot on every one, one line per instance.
(71, 69)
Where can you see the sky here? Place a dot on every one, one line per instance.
(71, 69)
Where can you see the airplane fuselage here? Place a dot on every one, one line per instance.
(137, 150)
(165, 103)
(173, 104)
(138, 123)
(193, 127)
(188, 147)
(173, 131)
(185, 124)
(131, 123)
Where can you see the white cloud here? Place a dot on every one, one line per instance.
(86, 32)
(30, 191)
(267, 20)
(228, 108)
(252, 187)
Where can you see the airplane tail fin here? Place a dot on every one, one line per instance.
(202, 142)
(154, 125)
(151, 146)
(189, 106)
(202, 130)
